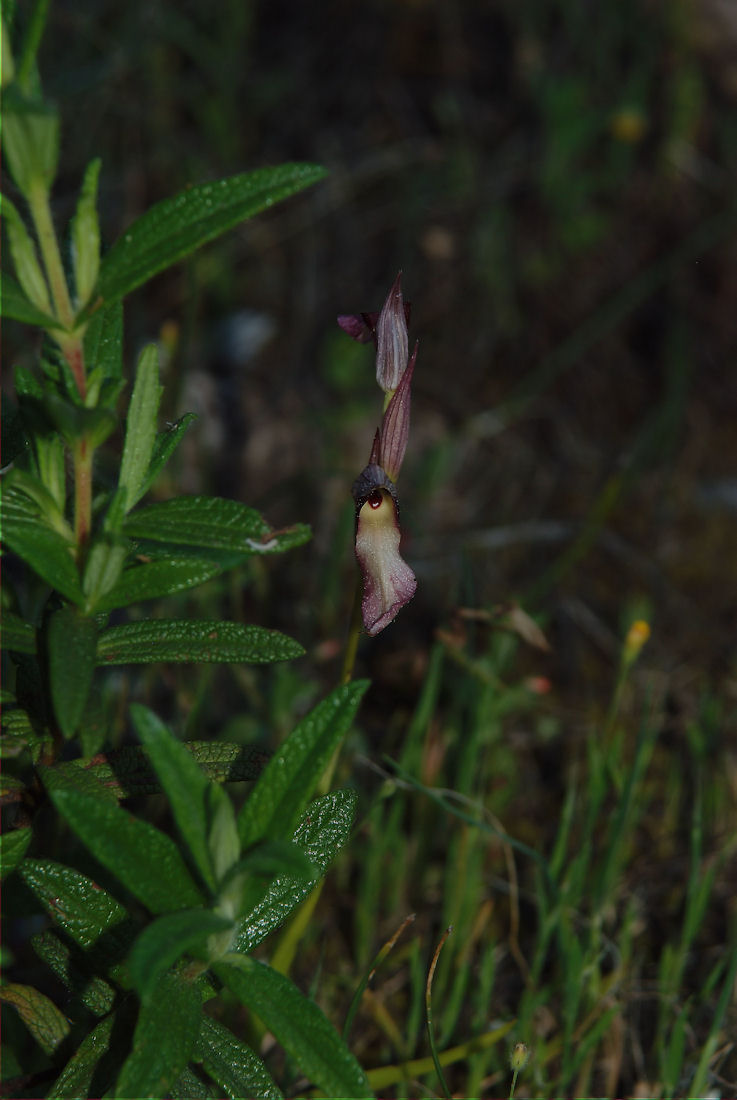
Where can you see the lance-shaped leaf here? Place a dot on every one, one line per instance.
(75, 1079)
(211, 522)
(177, 226)
(145, 860)
(16, 307)
(153, 580)
(17, 634)
(237, 1069)
(13, 846)
(184, 640)
(165, 444)
(71, 967)
(43, 1019)
(165, 1036)
(43, 549)
(297, 1023)
(140, 427)
(184, 783)
(103, 341)
(72, 645)
(286, 784)
(166, 940)
(128, 771)
(322, 832)
(82, 908)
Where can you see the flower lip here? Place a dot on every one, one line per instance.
(388, 582)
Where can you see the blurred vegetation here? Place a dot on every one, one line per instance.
(556, 181)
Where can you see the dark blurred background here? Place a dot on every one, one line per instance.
(556, 181)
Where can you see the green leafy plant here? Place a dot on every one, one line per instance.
(145, 931)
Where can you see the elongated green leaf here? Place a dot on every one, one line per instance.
(177, 226)
(185, 640)
(166, 940)
(127, 771)
(70, 966)
(289, 779)
(155, 579)
(45, 550)
(86, 235)
(72, 645)
(184, 783)
(321, 833)
(165, 1036)
(43, 1019)
(103, 341)
(213, 522)
(13, 846)
(75, 1079)
(188, 1086)
(17, 634)
(84, 910)
(165, 445)
(297, 1023)
(237, 1069)
(16, 307)
(140, 428)
(145, 860)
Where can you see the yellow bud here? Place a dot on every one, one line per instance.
(637, 635)
(629, 125)
(519, 1056)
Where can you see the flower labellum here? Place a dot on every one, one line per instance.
(388, 582)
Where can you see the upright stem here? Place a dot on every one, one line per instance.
(82, 453)
(38, 201)
(354, 633)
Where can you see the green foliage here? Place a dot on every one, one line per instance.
(140, 952)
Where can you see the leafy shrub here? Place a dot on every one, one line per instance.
(174, 923)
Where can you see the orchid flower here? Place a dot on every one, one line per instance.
(388, 582)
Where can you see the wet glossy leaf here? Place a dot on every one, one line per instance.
(15, 306)
(165, 941)
(72, 646)
(45, 550)
(184, 783)
(84, 910)
(177, 226)
(322, 832)
(186, 640)
(140, 427)
(297, 1023)
(237, 1069)
(43, 1019)
(13, 846)
(17, 634)
(212, 522)
(128, 771)
(154, 580)
(103, 341)
(164, 446)
(289, 779)
(165, 1036)
(75, 1079)
(145, 860)
(70, 966)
